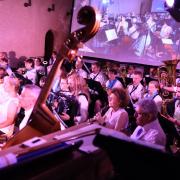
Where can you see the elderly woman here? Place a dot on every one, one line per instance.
(10, 106)
(116, 117)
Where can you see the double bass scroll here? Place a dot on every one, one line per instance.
(43, 120)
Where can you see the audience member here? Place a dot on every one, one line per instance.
(173, 108)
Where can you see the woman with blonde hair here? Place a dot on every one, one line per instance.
(10, 103)
(78, 87)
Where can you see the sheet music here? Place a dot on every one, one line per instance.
(111, 34)
(167, 41)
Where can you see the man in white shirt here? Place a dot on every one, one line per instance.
(136, 90)
(31, 73)
(27, 100)
(148, 129)
(79, 70)
(112, 82)
(97, 74)
(166, 31)
(153, 93)
(96, 97)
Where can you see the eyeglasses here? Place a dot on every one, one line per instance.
(136, 114)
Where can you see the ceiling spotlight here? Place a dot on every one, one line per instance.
(170, 3)
(173, 7)
(27, 3)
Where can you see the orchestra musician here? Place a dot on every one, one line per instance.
(2, 75)
(116, 116)
(27, 100)
(122, 27)
(5, 64)
(173, 108)
(113, 82)
(79, 65)
(149, 128)
(79, 89)
(136, 90)
(28, 72)
(153, 93)
(9, 105)
(97, 75)
(166, 30)
(141, 44)
(134, 29)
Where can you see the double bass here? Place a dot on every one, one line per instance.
(43, 121)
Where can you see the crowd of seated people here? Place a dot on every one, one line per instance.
(100, 95)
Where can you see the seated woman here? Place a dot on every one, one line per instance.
(116, 117)
(73, 108)
(78, 87)
(10, 107)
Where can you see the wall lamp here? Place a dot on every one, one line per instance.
(27, 3)
(52, 8)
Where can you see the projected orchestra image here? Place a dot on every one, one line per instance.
(154, 35)
(101, 104)
(134, 36)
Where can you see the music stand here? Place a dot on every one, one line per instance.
(97, 93)
(94, 85)
(149, 79)
(111, 35)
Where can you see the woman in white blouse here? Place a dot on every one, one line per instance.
(116, 117)
(10, 106)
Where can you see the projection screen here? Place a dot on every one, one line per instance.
(133, 31)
